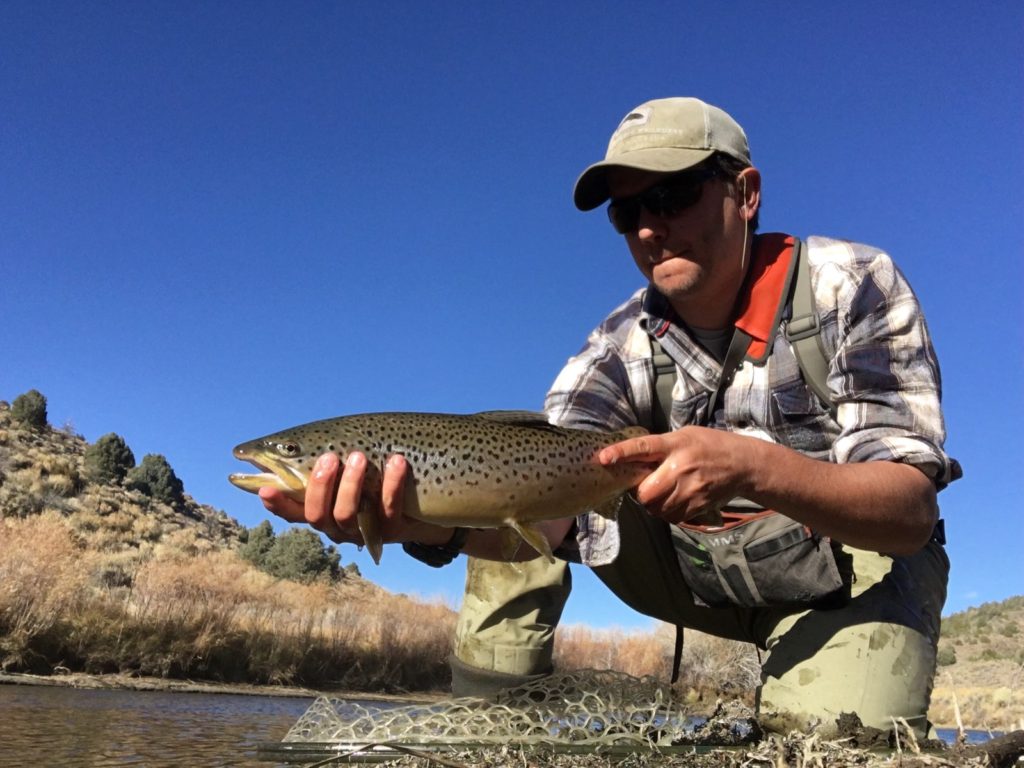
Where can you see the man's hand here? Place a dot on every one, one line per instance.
(882, 506)
(699, 470)
(334, 494)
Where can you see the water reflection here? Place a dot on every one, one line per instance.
(42, 726)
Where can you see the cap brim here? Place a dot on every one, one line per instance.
(591, 188)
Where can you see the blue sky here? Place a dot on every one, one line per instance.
(221, 219)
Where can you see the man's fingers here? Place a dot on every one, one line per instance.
(320, 491)
(281, 505)
(646, 448)
(350, 491)
(391, 488)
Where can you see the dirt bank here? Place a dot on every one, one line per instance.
(132, 683)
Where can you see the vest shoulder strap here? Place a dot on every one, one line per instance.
(664, 381)
(803, 331)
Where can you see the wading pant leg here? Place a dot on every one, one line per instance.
(875, 656)
(506, 627)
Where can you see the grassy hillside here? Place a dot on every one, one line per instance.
(42, 470)
(99, 577)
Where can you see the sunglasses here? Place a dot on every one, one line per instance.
(672, 196)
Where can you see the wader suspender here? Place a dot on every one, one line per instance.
(803, 332)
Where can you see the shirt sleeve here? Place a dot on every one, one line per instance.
(593, 390)
(885, 371)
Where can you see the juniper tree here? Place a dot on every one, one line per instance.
(260, 541)
(300, 555)
(30, 409)
(155, 478)
(109, 459)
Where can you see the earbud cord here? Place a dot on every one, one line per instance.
(746, 229)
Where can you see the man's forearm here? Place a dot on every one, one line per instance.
(881, 506)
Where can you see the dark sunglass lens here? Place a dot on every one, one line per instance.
(672, 198)
(624, 215)
(668, 199)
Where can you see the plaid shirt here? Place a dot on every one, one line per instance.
(883, 374)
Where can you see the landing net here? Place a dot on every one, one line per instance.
(566, 708)
(568, 712)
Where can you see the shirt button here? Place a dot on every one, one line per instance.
(709, 373)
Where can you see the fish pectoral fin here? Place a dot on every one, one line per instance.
(610, 509)
(368, 514)
(533, 536)
(369, 527)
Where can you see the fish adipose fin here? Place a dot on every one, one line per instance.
(610, 509)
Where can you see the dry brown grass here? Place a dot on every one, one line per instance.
(43, 578)
(193, 611)
(997, 709)
(578, 646)
(712, 668)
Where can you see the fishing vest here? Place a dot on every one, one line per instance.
(754, 557)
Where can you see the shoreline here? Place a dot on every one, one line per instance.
(134, 683)
(164, 685)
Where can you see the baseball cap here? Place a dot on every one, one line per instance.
(665, 136)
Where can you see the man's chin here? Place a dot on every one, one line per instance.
(676, 288)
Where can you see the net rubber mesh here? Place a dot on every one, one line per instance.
(581, 707)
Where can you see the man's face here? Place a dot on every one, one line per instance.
(693, 256)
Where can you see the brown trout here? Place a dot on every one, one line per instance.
(498, 469)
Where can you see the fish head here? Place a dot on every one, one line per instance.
(286, 459)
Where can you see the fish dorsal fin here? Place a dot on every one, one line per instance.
(629, 432)
(518, 418)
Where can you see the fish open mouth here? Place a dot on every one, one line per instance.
(275, 474)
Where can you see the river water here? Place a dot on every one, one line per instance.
(80, 728)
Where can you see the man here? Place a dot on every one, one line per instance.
(855, 479)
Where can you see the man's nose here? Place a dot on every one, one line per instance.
(650, 228)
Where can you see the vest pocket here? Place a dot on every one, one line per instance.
(765, 560)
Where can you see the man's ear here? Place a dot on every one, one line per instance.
(748, 189)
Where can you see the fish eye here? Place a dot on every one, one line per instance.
(288, 449)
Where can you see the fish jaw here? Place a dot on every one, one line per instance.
(277, 472)
(253, 482)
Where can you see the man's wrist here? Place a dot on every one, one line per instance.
(438, 555)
